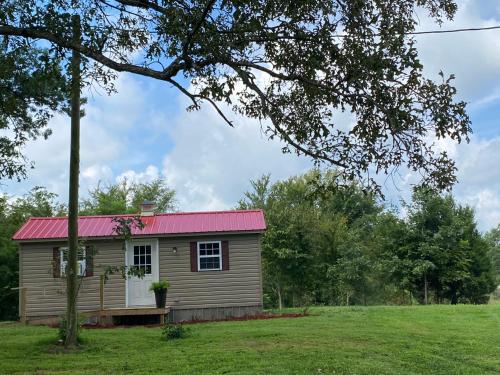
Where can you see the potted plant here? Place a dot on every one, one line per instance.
(160, 290)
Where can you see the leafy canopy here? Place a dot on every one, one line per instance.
(126, 197)
(32, 88)
(293, 64)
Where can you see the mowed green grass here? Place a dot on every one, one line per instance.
(356, 340)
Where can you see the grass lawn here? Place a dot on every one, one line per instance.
(356, 340)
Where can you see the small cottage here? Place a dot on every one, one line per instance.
(211, 259)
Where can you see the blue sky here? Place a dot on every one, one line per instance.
(144, 132)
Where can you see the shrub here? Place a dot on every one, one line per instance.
(174, 331)
(162, 284)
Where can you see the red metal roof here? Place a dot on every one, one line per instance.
(42, 228)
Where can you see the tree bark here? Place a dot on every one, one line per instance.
(74, 170)
(426, 300)
(280, 301)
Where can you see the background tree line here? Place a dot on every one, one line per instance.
(325, 244)
(333, 244)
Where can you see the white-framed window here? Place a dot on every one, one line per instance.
(142, 258)
(209, 256)
(81, 260)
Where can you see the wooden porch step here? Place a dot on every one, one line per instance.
(122, 311)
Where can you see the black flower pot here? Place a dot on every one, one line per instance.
(161, 298)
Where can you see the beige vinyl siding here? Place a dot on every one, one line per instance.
(46, 295)
(241, 285)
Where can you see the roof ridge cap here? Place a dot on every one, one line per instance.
(156, 214)
(208, 212)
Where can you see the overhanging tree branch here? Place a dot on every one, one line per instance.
(270, 113)
(39, 33)
(372, 73)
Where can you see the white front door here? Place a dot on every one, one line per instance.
(144, 255)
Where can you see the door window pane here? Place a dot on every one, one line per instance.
(142, 258)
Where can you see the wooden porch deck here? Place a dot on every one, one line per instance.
(123, 311)
(129, 311)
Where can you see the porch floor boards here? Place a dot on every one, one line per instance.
(129, 311)
(122, 311)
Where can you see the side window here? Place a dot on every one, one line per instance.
(209, 256)
(81, 261)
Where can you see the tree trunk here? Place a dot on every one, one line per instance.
(74, 170)
(280, 301)
(425, 290)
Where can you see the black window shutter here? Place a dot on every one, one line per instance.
(194, 256)
(225, 255)
(56, 262)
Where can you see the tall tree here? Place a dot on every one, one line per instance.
(445, 251)
(311, 72)
(315, 248)
(293, 63)
(493, 238)
(74, 184)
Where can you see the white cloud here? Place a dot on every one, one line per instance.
(103, 142)
(95, 173)
(151, 173)
(211, 163)
(478, 175)
(474, 57)
(479, 179)
(486, 204)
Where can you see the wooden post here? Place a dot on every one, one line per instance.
(162, 318)
(101, 298)
(101, 293)
(22, 304)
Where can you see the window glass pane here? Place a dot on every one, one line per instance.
(209, 263)
(81, 268)
(209, 254)
(203, 263)
(148, 270)
(147, 249)
(136, 250)
(81, 254)
(148, 259)
(136, 260)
